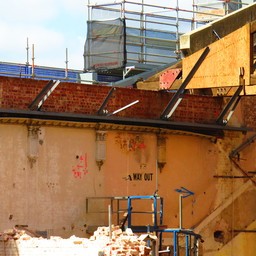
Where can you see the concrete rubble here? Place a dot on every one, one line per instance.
(15, 242)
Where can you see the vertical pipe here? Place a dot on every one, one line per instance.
(193, 17)
(118, 207)
(129, 212)
(33, 61)
(27, 48)
(155, 212)
(122, 11)
(156, 172)
(88, 56)
(27, 63)
(187, 245)
(122, 16)
(175, 243)
(180, 210)
(142, 32)
(177, 31)
(89, 14)
(110, 221)
(66, 70)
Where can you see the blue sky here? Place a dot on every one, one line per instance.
(52, 26)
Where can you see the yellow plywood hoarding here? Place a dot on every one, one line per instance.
(221, 66)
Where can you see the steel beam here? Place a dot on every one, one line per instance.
(180, 91)
(232, 177)
(43, 95)
(206, 129)
(234, 100)
(105, 102)
(242, 146)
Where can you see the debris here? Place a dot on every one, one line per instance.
(121, 243)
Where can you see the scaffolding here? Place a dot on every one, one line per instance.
(128, 37)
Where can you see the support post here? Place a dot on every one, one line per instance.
(180, 209)
(110, 221)
(66, 70)
(33, 60)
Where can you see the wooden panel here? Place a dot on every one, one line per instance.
(221, 66)
(250, 90)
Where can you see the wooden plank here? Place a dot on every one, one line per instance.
(152, 86)
(253, 26)
(221, 66)
(250, 90)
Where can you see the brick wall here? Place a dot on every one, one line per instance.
(18, 93)
(120, 244)
(248, 107)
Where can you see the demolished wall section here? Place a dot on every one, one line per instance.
(18, 243)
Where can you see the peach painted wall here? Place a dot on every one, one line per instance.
(50, 195)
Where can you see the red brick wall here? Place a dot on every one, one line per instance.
(18, 93)
(248, 107)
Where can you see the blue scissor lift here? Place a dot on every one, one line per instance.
(191, 239)
(184, 242)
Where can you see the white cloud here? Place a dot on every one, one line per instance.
(29, 11)
(50, 25)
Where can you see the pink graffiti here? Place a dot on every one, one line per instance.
(82, 167)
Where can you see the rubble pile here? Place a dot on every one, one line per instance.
(12, 234)
(102, 243)
(121, 243)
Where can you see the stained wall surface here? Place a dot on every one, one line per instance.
(49, 193)
(48, 167)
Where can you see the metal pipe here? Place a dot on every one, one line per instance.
(159, 16)
(232, 177)
(123, 108)
(110, 221)
(175, 243)
(180, 209)
(27, 48)
(66, 70)
(177, 32)
(33, 60)
(187, 245)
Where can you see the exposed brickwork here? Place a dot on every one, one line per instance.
(121, 244)
(18, 93)
(248, 107)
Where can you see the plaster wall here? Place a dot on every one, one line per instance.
(243, 244)
(49, 194)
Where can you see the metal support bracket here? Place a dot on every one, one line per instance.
(127, 70)
(216, 34)
(177, 97)
(102, 111)
(233, 101)
(242, 146)
(43, 95)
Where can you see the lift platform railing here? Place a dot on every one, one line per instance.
(184, 241)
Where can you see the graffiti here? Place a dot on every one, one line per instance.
(130, 143)
(139, 177)
(81, 168)
(185, 191)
